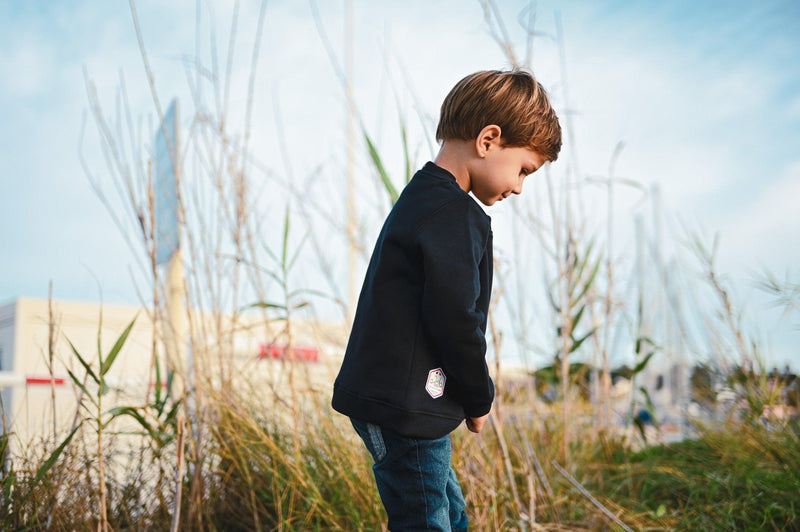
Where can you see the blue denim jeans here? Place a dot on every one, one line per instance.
(417, 485)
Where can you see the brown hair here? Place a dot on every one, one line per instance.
(513, 100)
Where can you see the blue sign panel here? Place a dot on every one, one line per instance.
(166, 186)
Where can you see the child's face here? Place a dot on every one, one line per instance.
(501, 171)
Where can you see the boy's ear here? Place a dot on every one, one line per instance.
(488, 139)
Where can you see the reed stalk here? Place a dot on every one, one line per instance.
(229, 452)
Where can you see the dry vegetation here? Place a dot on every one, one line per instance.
(213, 456)
(258, 476)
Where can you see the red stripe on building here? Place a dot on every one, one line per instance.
(278, 352)
(35, 379)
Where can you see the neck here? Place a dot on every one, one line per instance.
(453, 157)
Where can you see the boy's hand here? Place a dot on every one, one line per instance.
(475, 424)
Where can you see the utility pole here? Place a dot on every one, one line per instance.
(167, 241)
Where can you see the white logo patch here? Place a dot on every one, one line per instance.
(435, 384)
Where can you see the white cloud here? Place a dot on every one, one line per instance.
(24, 70)
(766, 232)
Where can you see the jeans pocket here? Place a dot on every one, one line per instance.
(372, 436)
(376, 439)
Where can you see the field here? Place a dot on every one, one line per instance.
(257, 240)
(251, 472)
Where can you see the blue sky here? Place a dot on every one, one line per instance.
(706, 97)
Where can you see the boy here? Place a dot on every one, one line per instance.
(415, 364)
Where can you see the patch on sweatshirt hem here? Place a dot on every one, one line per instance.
(435, 384)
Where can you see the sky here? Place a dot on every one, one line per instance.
(704, 96)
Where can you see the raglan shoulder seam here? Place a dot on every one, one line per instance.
(446, 205)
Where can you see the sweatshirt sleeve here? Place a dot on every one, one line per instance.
(453, 242)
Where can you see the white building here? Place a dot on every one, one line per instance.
(251, 351)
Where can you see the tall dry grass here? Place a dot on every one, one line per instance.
(257, 477)
(225, 452)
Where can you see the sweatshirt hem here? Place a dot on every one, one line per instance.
(406, 422)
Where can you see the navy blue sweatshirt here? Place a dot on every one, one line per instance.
(415, 362)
